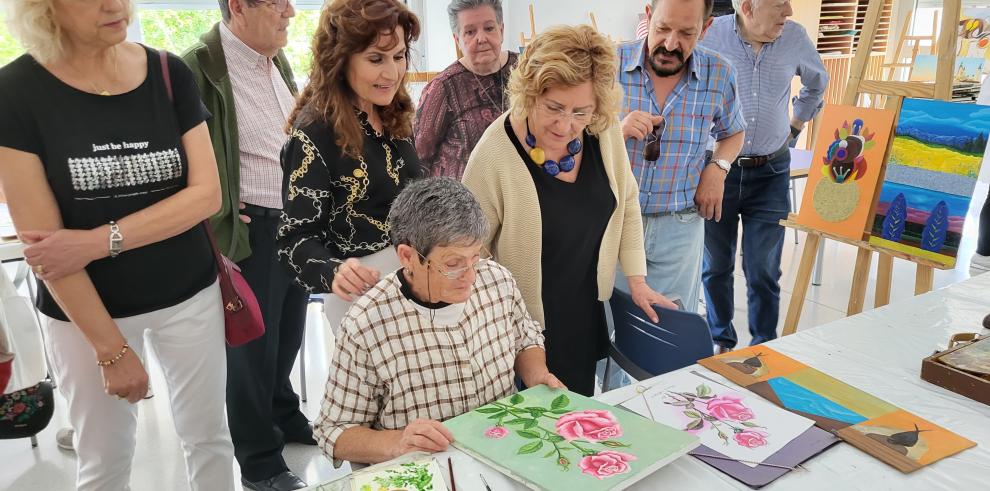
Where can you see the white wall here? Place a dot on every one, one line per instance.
(617, 18)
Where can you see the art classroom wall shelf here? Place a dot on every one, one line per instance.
(905, 441)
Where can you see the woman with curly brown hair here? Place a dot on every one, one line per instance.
(349, 152)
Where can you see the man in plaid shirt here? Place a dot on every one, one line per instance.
(442, 336)
(676, 96)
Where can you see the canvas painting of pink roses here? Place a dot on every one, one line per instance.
(556, 439)
(737, 424)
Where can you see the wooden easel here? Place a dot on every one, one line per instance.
(915, 42)
(523, 40)
(894, 93)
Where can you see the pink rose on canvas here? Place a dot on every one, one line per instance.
(496, 432)
(594, 426)
(751, 438)
(606, 463)
(729, 407)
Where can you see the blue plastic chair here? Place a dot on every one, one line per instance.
(644, 349)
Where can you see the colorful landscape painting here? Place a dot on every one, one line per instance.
(932, 167)
(555, 439)
(968, 69)
(897, 437)
(845, 170)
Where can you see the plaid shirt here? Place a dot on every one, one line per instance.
(702, 103)
(392, 365)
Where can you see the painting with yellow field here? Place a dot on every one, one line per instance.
(929, 180)
(845, 170)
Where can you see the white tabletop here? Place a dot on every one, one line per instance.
(879, 351)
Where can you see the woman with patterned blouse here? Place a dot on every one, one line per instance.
(350, 151)
(467, 96)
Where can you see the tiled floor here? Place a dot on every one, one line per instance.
(158, 462)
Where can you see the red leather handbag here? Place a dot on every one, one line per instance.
(241, 314)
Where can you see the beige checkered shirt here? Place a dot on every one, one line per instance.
(392, 365)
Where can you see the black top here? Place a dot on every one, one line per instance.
(106, 157)
(574, 217)
(336, 206)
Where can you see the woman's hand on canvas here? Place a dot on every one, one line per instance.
(423, 435)
(56, 254)
(352, 279)
(645, 298)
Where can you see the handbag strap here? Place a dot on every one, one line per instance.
(231, 299)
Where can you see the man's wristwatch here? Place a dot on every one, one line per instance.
(722, 164)
(116, 239)
(795, 132)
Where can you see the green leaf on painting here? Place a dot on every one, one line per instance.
(516, 399)
(528, 434)
(530, 447)
(488, 410)
(499, 415)
(560, 402)
(751, 425)
(613, 444)
(560, 411)
(555, 438)
(536, 412)
(551, 453)
(703, 390)
(692, 414)
(694, 425)
(517, 421)
(529, 423)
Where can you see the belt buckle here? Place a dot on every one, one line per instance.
(746, 161)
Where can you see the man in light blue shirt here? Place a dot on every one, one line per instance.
(767, 52)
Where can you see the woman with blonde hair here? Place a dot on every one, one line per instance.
(350, 151)
(553, 178)
(108, 170)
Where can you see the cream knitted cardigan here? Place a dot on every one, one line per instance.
(497, 176)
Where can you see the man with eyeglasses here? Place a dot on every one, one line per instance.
(442, 336)
(768, 51)
(676, 94)
(247, 85)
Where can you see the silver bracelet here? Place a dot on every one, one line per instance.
(116, 239)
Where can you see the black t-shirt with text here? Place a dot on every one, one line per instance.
(106, 157)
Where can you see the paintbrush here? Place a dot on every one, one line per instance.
(485, 482)
(721, 457)
(450, 466)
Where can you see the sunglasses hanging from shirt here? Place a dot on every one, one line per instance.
(652, 151)
(551, 167)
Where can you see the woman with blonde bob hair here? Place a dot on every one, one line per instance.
(108, 170)
(350, 151)
(553, 178)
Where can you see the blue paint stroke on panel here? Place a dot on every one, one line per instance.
(798, 398)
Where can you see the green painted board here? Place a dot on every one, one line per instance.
(555, 439)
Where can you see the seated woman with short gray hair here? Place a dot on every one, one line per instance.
(442, 336)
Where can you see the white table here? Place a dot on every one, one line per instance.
(879, 351)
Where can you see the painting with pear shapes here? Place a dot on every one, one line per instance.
(904, 440)
(934, 161)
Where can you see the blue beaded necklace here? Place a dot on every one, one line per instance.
(539, 157)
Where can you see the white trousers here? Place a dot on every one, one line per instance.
(385, 261)
(188, 341)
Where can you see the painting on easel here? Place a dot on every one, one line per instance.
(845, 169)
(931, 172)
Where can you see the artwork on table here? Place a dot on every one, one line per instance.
(974, 34)
(420, 475)
(974, 358)
(736, 424)
(845, 169)
(933, 164)
(555, 439)
(968, 69)
(899, 438)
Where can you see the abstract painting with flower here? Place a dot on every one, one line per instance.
(736, 424)
(555, 439)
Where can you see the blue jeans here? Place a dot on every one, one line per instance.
(758, 195)
(674, 244)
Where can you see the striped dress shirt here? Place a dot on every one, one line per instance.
(262, 103)
(765, 81)
(704, 102)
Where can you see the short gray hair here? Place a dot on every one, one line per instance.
(436, 212)
(737, 4)
(458, 6)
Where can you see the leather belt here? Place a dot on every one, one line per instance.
(260, 211)
(758, 160)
